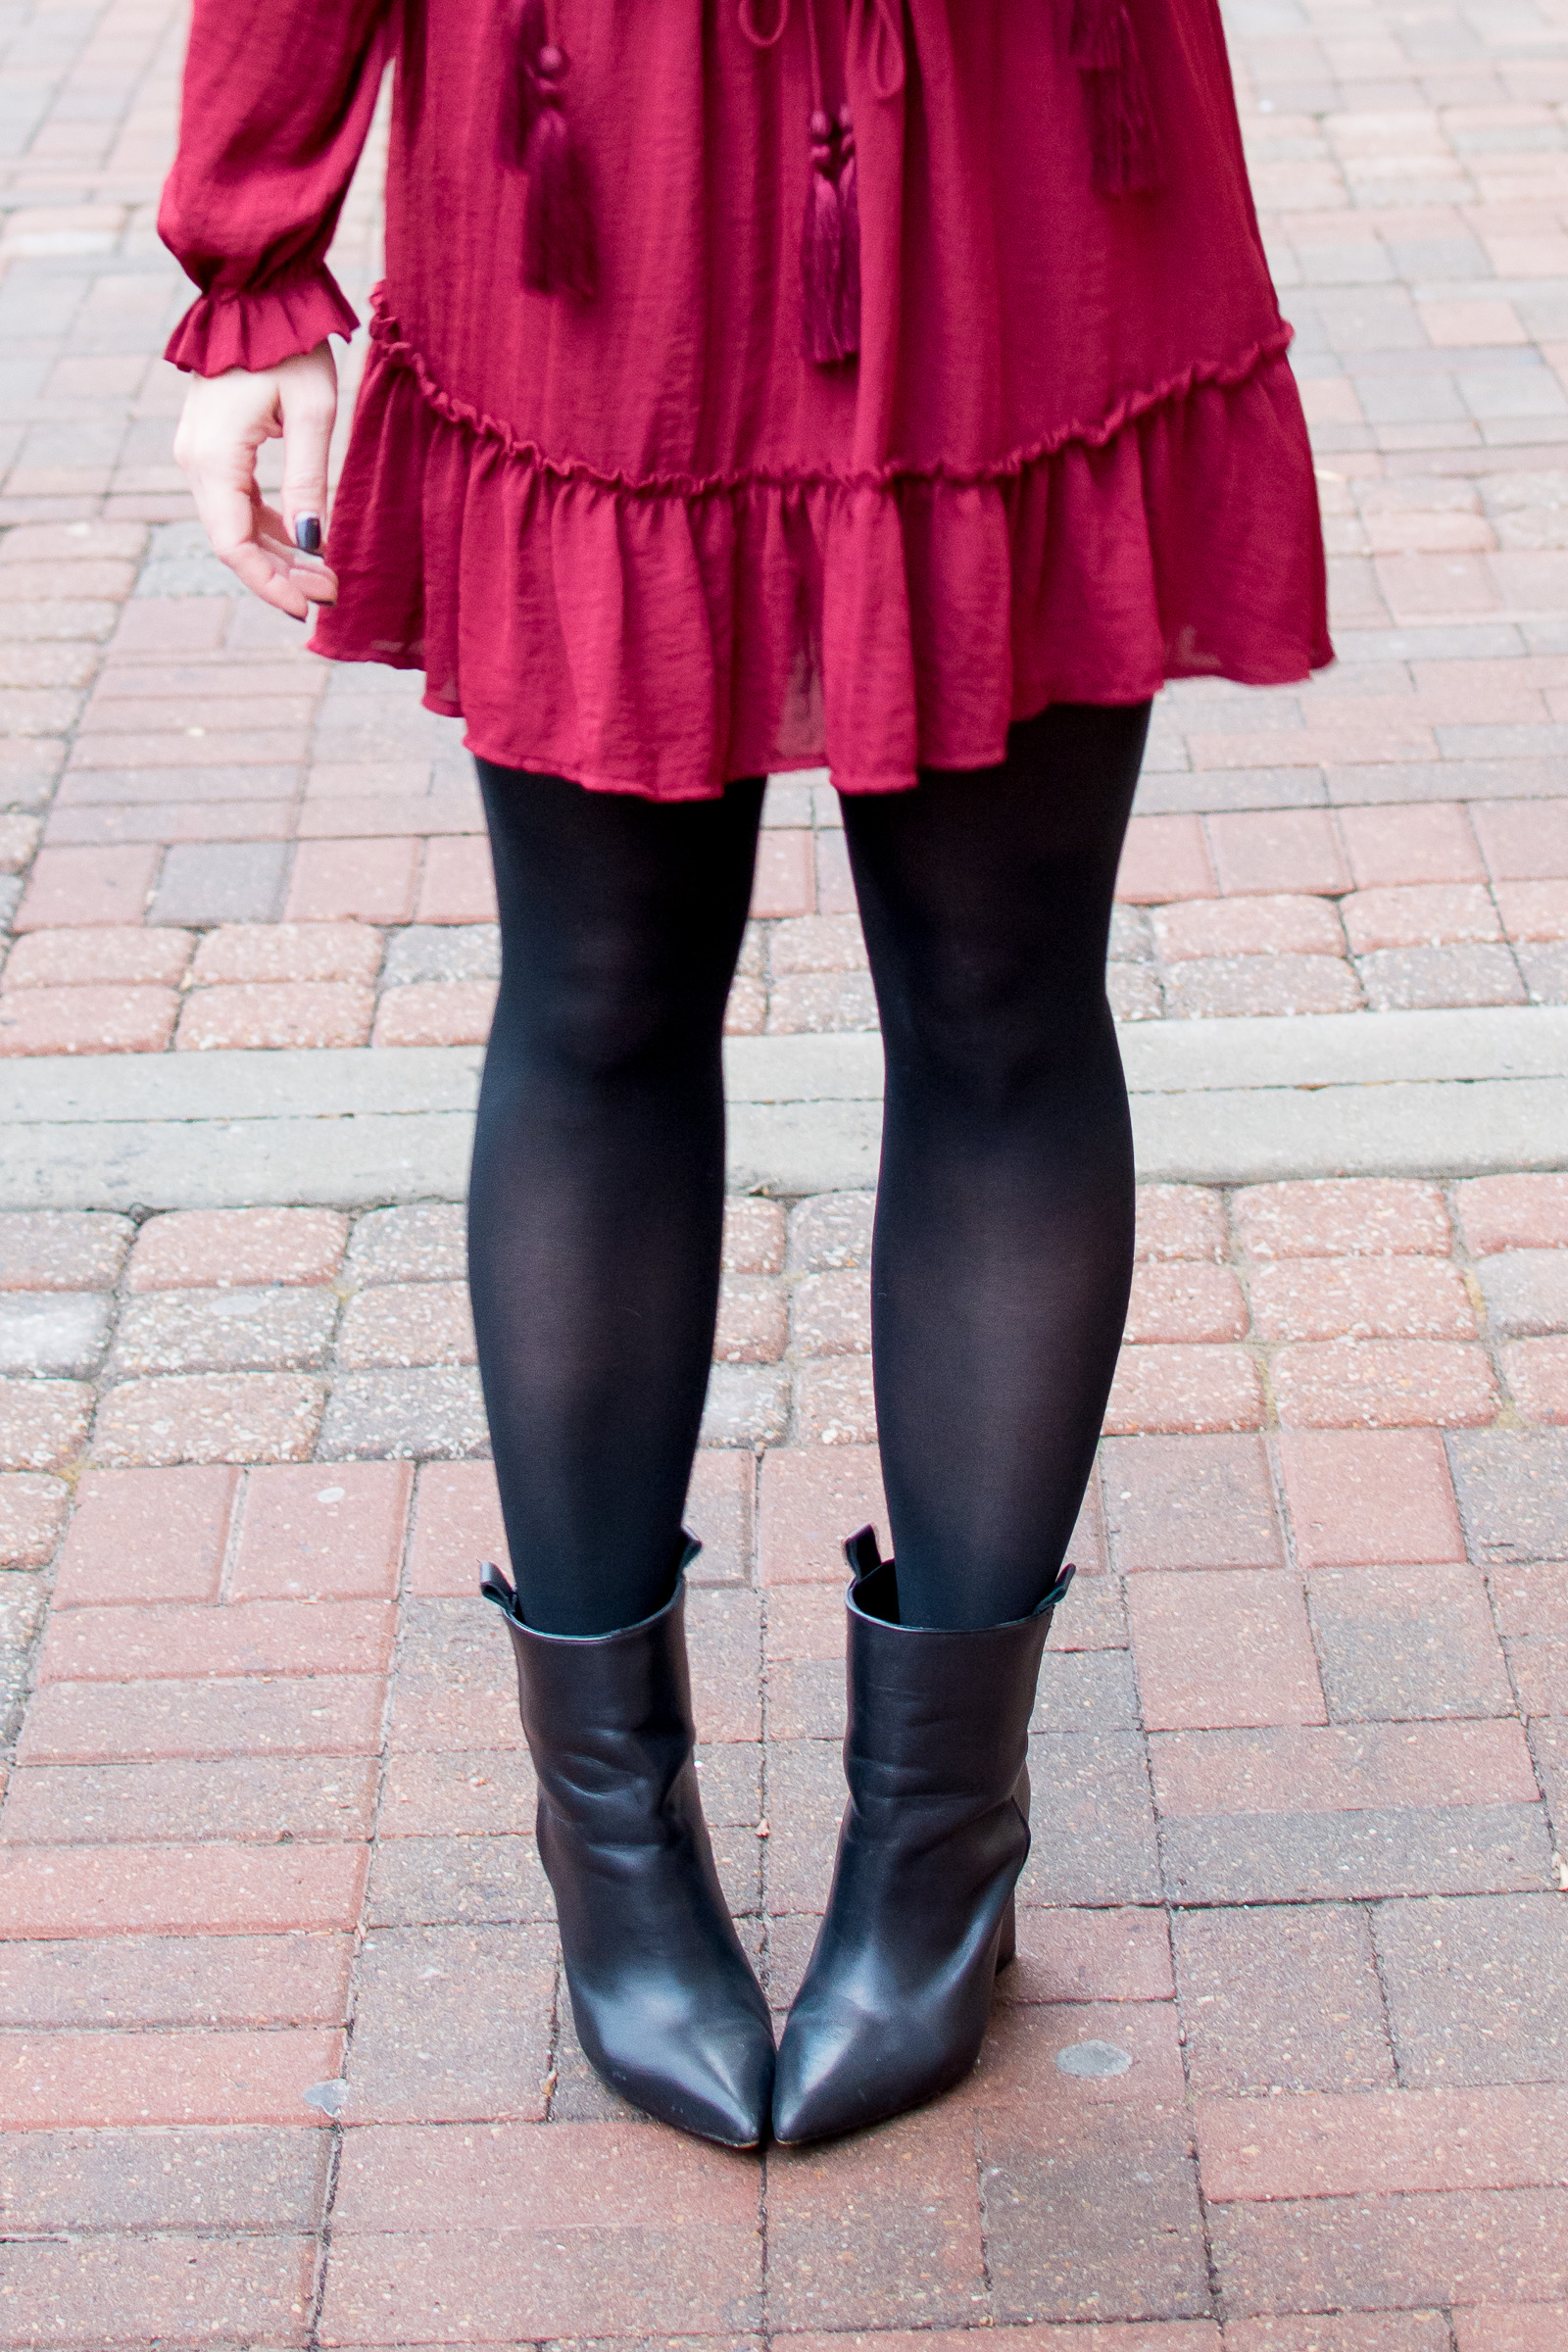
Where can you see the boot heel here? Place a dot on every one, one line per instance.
(1007, 1937)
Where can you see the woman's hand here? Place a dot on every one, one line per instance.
(223, 423)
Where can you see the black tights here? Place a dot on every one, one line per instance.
(1004, 1211)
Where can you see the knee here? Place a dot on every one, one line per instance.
(601, 1013)
(991, 1041)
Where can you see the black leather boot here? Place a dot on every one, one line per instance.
(919, 1918)
(666, 2005)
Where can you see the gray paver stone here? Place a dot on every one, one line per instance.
(429, 1414)
(61, 1331)
(1512, 1487)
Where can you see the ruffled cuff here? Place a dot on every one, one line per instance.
(257, 330)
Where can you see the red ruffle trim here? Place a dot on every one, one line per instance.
(259, 330)
(665, 636)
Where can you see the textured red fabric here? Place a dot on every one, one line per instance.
(640, 539)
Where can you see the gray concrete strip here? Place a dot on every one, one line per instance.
(1214, 1102)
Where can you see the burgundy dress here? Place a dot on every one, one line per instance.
(637, 536)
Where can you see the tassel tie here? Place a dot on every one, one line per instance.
(1103, 45)
(830, 234)
(557, 242)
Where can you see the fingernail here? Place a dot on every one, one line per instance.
(308, 534)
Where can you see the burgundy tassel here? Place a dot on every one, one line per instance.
(1103, 45)
(558, 239)
(850, 212)
(822, 252)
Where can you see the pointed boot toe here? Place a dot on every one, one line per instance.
(666, 2006)
(919, 1919)
(711, 2075)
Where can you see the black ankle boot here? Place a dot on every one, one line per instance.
(666, 2006)
(919, 1918)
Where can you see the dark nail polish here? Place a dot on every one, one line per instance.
(308, 534)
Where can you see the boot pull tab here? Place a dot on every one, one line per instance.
(493, 1585)
(862, 1554)
(1058, 1591)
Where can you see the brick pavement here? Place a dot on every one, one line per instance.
(1282, 2068)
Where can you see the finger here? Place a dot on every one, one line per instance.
(316, 580)
(309, 405)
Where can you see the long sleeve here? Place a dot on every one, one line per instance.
(277, 101)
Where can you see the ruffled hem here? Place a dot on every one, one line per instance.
(260, 329)
(665, 636)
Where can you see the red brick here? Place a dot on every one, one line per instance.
(353, 881)
(1532, 1611)
(1223, 1647)
(43, 1423)
(407, 1324)
(102, 2079)
(1454, 2245)
(753, 1320)
(276, 1015)
(1364, 1497)
(1419, 915)
(1338, 1217)
(1342, 1768)
(437, 1013)
(101, 2291)
(1018, 2062)
(1261, 926)
(1382, 2142)
(61, 1250)
(1105, 2335)
(1281, 1998)
(1165, 858)
(146, 1536)
(260, 1636)
(1411, 842)
(1404, 1644)
(831, 1314)
(835, 884)
(230, 1249)
(1272, 851)
(1536, 1374)
(1191, 1388)
(1241, 987)
(812, 1499)
(1363, 1299)
(459, 884)
(210, 1417)
(321, 1530)
(1180, 1221)
(89, 886)
(86, 1020)
(172, 624)
(127, 956)
(457, 1528)
(283, 952)
(288, 1980)
(884, 2227)
(753, 1236)
(1384, 1384)
(84, 1891)
(719, 1512)
(1511, 2327)
(265, 1800)
(785, 882)
(818, 943)
(1185, 1303)
(1190, 1502)
(1077, 1955)
(834, 1401)
(32, 1518)
(1513, 1212)
(1523, 841)
(305, 1715)
(1532, 910)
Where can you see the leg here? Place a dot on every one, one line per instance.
(1004, 1215)
(999, 1278)
(597, 1202)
